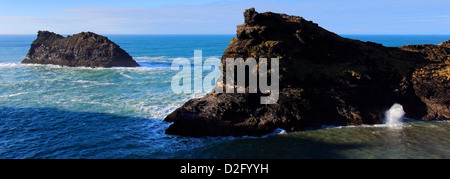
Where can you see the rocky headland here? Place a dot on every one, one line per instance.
(325, 79)
(85, 49)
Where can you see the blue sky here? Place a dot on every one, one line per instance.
(220, 17)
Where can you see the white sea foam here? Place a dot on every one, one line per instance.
(394, 116)
(156, 111)
(9, 65)
(160, 59)
(278, 131)
(164, 59)
(393, 119)
(92, 82)
(125, 75)
(143, 68)
(20, 65)
(12, 95)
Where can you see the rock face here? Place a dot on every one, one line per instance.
(431, 82)
(325, 79)
(84, 49)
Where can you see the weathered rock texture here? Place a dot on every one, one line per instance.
(84, 49)
(325, 80)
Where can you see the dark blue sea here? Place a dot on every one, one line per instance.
(48, 111)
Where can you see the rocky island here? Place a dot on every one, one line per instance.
(325, 79)
(85, 49)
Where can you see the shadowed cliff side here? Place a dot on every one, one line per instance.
(325, 79)
(84, 49)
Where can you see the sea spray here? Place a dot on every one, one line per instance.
(394, 115)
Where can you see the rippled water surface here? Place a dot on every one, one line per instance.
(411, 140)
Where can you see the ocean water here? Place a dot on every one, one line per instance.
(48, 111)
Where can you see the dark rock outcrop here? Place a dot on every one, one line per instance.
(431, 82)
(84, 49)
(325, 79)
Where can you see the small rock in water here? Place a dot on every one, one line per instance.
(85, 49)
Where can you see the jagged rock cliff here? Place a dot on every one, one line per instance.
(325, 79)
(84, 49)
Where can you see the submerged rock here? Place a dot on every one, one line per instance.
(325, 79)
(84, 49)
